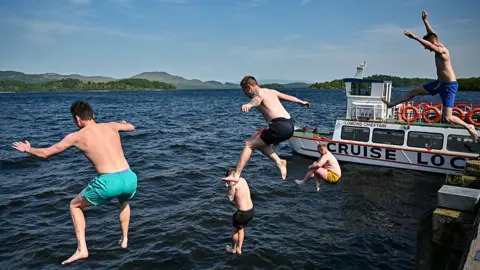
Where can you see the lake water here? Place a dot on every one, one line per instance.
(183, 143)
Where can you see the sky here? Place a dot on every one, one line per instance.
(224, 40)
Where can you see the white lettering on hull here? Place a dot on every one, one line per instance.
(399, 156)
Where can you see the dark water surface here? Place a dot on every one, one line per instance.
(181, 219)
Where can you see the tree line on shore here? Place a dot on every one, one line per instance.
(70, 84)
(78, 85)
(468, 84)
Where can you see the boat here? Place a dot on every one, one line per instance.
(408, 136)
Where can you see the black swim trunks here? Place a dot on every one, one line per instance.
(242, 218)
(279, 130)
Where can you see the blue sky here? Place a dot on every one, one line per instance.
(313, 40)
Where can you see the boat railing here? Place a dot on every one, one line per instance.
(434, 111)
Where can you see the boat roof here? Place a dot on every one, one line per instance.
(364, 80)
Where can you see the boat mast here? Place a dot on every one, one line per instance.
(359, 74)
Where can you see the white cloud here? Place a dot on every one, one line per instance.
(46, 31)
(384, 47)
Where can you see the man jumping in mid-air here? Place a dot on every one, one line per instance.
(280, 128)
(446, 85)
(101, 144)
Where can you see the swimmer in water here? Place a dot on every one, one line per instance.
(240, 193)
(446, 84)
(101, 144)
(280, 128)
(326, 168)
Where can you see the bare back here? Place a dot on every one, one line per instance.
(101, 145)
(444, 66)
(271, 107)
(242, 195)
(332, 164)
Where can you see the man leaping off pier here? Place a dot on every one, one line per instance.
(446, 85)
(280, 128)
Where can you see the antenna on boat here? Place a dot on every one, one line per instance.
(359, 74)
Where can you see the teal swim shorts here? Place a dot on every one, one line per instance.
(122, 184)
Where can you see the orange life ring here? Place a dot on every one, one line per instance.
(431, 108)
(414, 118)
(470, 115)
(460, 112)
(439, 106)
(467, 109)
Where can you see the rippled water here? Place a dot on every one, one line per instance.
(183, 142)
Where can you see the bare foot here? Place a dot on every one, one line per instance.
(230, 249)
(239, 251)
(317, 183)
(389, 105)
(123, 242)
(77, 256)
(473, 132)
(300, 182)
(283, 168)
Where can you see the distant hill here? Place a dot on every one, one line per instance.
(182, 83)
(46, 77)
(177, 81)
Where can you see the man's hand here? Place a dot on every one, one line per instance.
(424, 15)
(246, 107)
(408, 34)
(123, 122)
(306, 104)
(22, 147)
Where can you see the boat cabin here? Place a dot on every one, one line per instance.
(364, 99)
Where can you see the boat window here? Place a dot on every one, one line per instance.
(425, 140)
(462, 143)
(388, 136)
(361, 134)
(361, 89)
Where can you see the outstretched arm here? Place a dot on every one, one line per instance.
(291, 99)
(123, 126)
(55, 149)
(425, 21)
(427, 44)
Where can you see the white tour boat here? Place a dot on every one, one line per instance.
(408, 136)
